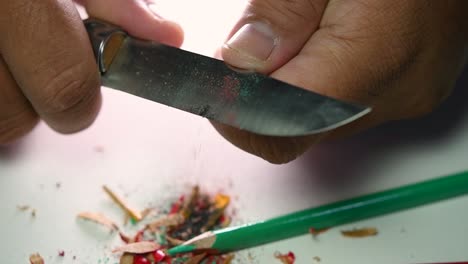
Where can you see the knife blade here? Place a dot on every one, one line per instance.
(210, 88)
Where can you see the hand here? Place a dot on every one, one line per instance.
(47, 68)
(399, 57)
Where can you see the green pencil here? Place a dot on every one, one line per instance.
(326, 216)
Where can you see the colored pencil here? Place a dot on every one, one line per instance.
(327, 216)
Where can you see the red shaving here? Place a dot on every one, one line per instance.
(316, 232)
(159, 255)
(286, 258)
(139, 236)
(140, 260)
(61, 253)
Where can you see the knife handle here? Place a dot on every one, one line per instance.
(106, 40)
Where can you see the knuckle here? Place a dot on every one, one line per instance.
(17, 125)
(288, 14)
(66, 90)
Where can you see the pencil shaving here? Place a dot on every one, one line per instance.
(316, 232)
(196, 259)
(358, 233)
(174, 241)
(188, 204)
(126, 259)
(36, 259)
(23, 207)
(133, 213)
(100, 219)
(138, 247)
(167, 221)
(288, 258)
(228, 259)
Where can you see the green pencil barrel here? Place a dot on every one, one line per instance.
(342, 212)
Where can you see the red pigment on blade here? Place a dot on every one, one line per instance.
(230, 88)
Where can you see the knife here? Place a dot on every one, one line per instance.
(210, 88)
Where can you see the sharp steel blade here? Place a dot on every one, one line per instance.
(209, 88)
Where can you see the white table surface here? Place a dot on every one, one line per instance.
(152, 153)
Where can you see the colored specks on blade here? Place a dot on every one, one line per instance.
(230, 89)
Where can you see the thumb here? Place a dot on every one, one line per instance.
(271, 32)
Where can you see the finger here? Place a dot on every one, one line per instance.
(354, 59)
(48, 53)
(138, 17)
(268, 35)
(17, 117)
(271, 32)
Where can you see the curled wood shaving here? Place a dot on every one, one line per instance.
(135, 214)
(168, 221)
(362, 232)
(36, 259)
(195, 259)
(99, 218)
(138, 247)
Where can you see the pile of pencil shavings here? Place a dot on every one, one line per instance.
(188, 217)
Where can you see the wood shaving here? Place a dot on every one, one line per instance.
(196, 259)
(316, 232)
(138, 247)
(188, 203)
(174, 241)
(126, 259)
(23, 207)
(147, 212)
(221, 201)
(167, 221)
(362, 232)
(228, 259)
(126, 238)
(288, 258)
(100, 219)
(135, 214)
(317, 258)
(36, 259)
(33, 213)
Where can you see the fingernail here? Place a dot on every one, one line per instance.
(253, 42)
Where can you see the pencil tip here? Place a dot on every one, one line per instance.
(181, 249)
